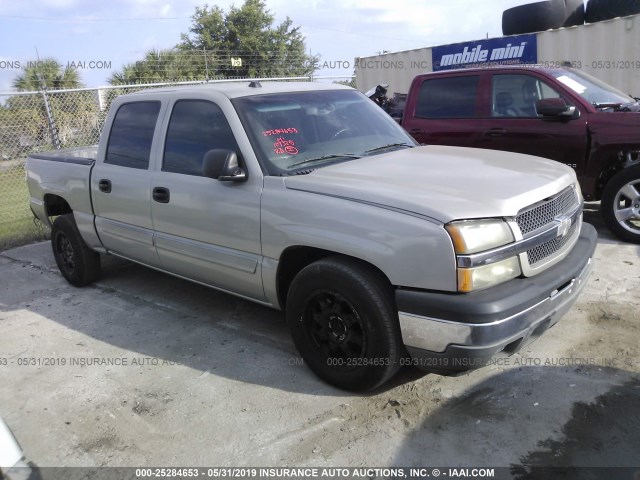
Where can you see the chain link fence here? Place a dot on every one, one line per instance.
(48, 120)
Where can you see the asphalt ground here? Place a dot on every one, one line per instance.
(143, 369)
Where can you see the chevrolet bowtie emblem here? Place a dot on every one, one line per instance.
(564, 225)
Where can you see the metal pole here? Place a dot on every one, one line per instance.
(53, 128)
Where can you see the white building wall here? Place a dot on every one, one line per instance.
(607, 50)
(397, 69)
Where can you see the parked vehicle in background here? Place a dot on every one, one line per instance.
(311, 199)
(393, 106)
(558, 113)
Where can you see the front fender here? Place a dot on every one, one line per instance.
(412, 251)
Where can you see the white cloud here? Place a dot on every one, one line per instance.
(165, 10)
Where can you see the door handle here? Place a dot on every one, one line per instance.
(495, 132)
(161, 194)
(104, 185)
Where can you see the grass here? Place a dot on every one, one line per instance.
(17, 225)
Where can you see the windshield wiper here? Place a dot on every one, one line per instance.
(391, 145)
(324, 157)
(614, 106)
(606, 105)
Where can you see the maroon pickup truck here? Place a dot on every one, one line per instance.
(562, 114)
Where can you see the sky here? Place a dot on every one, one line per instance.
(102, 36)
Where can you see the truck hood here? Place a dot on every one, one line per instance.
(443, 183)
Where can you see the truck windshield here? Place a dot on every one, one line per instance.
(596, 92)
(299, 131)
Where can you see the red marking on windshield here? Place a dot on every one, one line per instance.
(283, 146)
(279, 131)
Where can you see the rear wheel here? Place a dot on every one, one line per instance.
(344, 323)
(620, 206)
(78, 264)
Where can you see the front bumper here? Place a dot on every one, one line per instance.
(458, 332)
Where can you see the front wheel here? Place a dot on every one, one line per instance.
(77, 262)
(620, 206)
(344, 323)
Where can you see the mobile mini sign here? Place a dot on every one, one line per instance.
(496, 51)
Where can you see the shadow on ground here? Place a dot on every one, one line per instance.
(587, 417)
(156, 316)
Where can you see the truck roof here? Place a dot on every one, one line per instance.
(532, 67)
(243, 88)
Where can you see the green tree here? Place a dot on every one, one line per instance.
(49, 71)
(162, 66)
(245, 42)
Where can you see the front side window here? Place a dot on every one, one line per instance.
(516, 95)
(132, 135)
(196, 126)
(453, 97)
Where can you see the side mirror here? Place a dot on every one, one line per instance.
(223, 165)
(554, 107)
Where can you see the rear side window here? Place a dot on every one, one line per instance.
(132, 135)
(453, 97)
(196, 126)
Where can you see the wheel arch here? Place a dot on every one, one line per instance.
(295, 258)
(617, 161)
(55, 205)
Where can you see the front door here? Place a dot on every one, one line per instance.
(205, 229)
(515, 126)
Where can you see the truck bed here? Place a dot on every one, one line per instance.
(78, 155)
(71, 182)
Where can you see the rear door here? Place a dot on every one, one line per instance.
(514, 125)
(445, 110)
(206, 230)
(120, 183)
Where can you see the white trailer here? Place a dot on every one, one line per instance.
(608, 50)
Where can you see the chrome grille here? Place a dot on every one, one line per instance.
(543, 214)
(544, 251)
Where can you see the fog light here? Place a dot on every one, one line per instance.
(478, 278)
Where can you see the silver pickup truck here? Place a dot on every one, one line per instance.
(310, 199)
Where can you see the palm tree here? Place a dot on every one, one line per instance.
(49, 71)
(162, 66)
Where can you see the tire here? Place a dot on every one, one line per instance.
(574, 13)
(620, 205)
(599, 10)
(540, 16)
(344, 323)
(78, 264)
(533, 17)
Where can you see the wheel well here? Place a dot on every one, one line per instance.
(294, 259)
(617, 162)
(55, 205)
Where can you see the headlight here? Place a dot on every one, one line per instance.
(474, 236)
